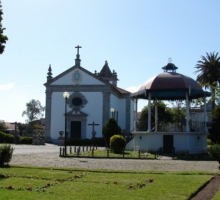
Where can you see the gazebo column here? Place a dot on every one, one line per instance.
(187, 112)
(149, 112)
(156, 115)
(136, 114)
(205, 114)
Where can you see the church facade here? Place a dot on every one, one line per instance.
(93, 99)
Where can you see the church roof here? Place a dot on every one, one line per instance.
(106, 72)
(122, 91)
(105, 76)
(68, 71)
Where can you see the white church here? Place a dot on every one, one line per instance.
(93, 99)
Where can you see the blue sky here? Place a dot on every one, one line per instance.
(136, 37)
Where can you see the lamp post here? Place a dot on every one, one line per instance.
(113, 112)
(65, 96)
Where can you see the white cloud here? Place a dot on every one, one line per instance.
(8, 86)
(133, 88)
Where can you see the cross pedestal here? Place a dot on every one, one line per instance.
(93, 129)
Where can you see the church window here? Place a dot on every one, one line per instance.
(77, 101)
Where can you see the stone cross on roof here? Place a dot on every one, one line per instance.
(77, 60)
(78, 47)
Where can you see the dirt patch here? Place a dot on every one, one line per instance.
(209, 190)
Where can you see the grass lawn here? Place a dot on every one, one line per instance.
(193, 157)
(217, 196)
(48, 183)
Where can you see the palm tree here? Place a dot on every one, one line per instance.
(209, 73)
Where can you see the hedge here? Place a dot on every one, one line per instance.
(25, 140)
(86, 142)
(6, 138)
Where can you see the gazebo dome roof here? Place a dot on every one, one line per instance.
(170, 86)
(169, 67)
(170, 81)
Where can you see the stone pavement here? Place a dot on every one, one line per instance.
(48, 155)
(35, 149)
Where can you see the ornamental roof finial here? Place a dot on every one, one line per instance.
(77, 60)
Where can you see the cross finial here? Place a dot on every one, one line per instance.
(78, 47)
(169, 60)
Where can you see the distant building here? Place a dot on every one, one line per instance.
(11, 127)
(197, 117)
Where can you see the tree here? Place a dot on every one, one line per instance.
(3, 38)
(209, 73)
(3, 127)
(214, 151)
(22, 129)
(179, 113)
(34, 110)
(164, 116)
(111, 128)
(215, 130)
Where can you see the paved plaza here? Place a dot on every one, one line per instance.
(48, 155)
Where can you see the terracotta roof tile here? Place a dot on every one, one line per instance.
(122, 91)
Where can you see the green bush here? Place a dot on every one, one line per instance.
(5, 154)
(209, 142)
(74, 141)
(111, 128)
(6, 137)
(99, 142)
(78, 142)
(117, 143)
(25, 140)
(86, 142)
(214, 151)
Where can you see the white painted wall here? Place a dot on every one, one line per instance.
(183, 141)
(180, 143)
(57, 114)
(118, 105)
(145, 141)
(86, 79)
(93, 109)
(197, 143)
(122, 113)
(132, 116)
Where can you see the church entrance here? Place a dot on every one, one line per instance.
(167, 143)
(76, 129)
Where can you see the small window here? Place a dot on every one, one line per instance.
(77, 101)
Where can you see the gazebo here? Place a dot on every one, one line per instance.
(169, 85)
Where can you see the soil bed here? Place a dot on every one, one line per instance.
(209, 191)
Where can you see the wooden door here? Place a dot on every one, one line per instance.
(76, 129)
(167, 143)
